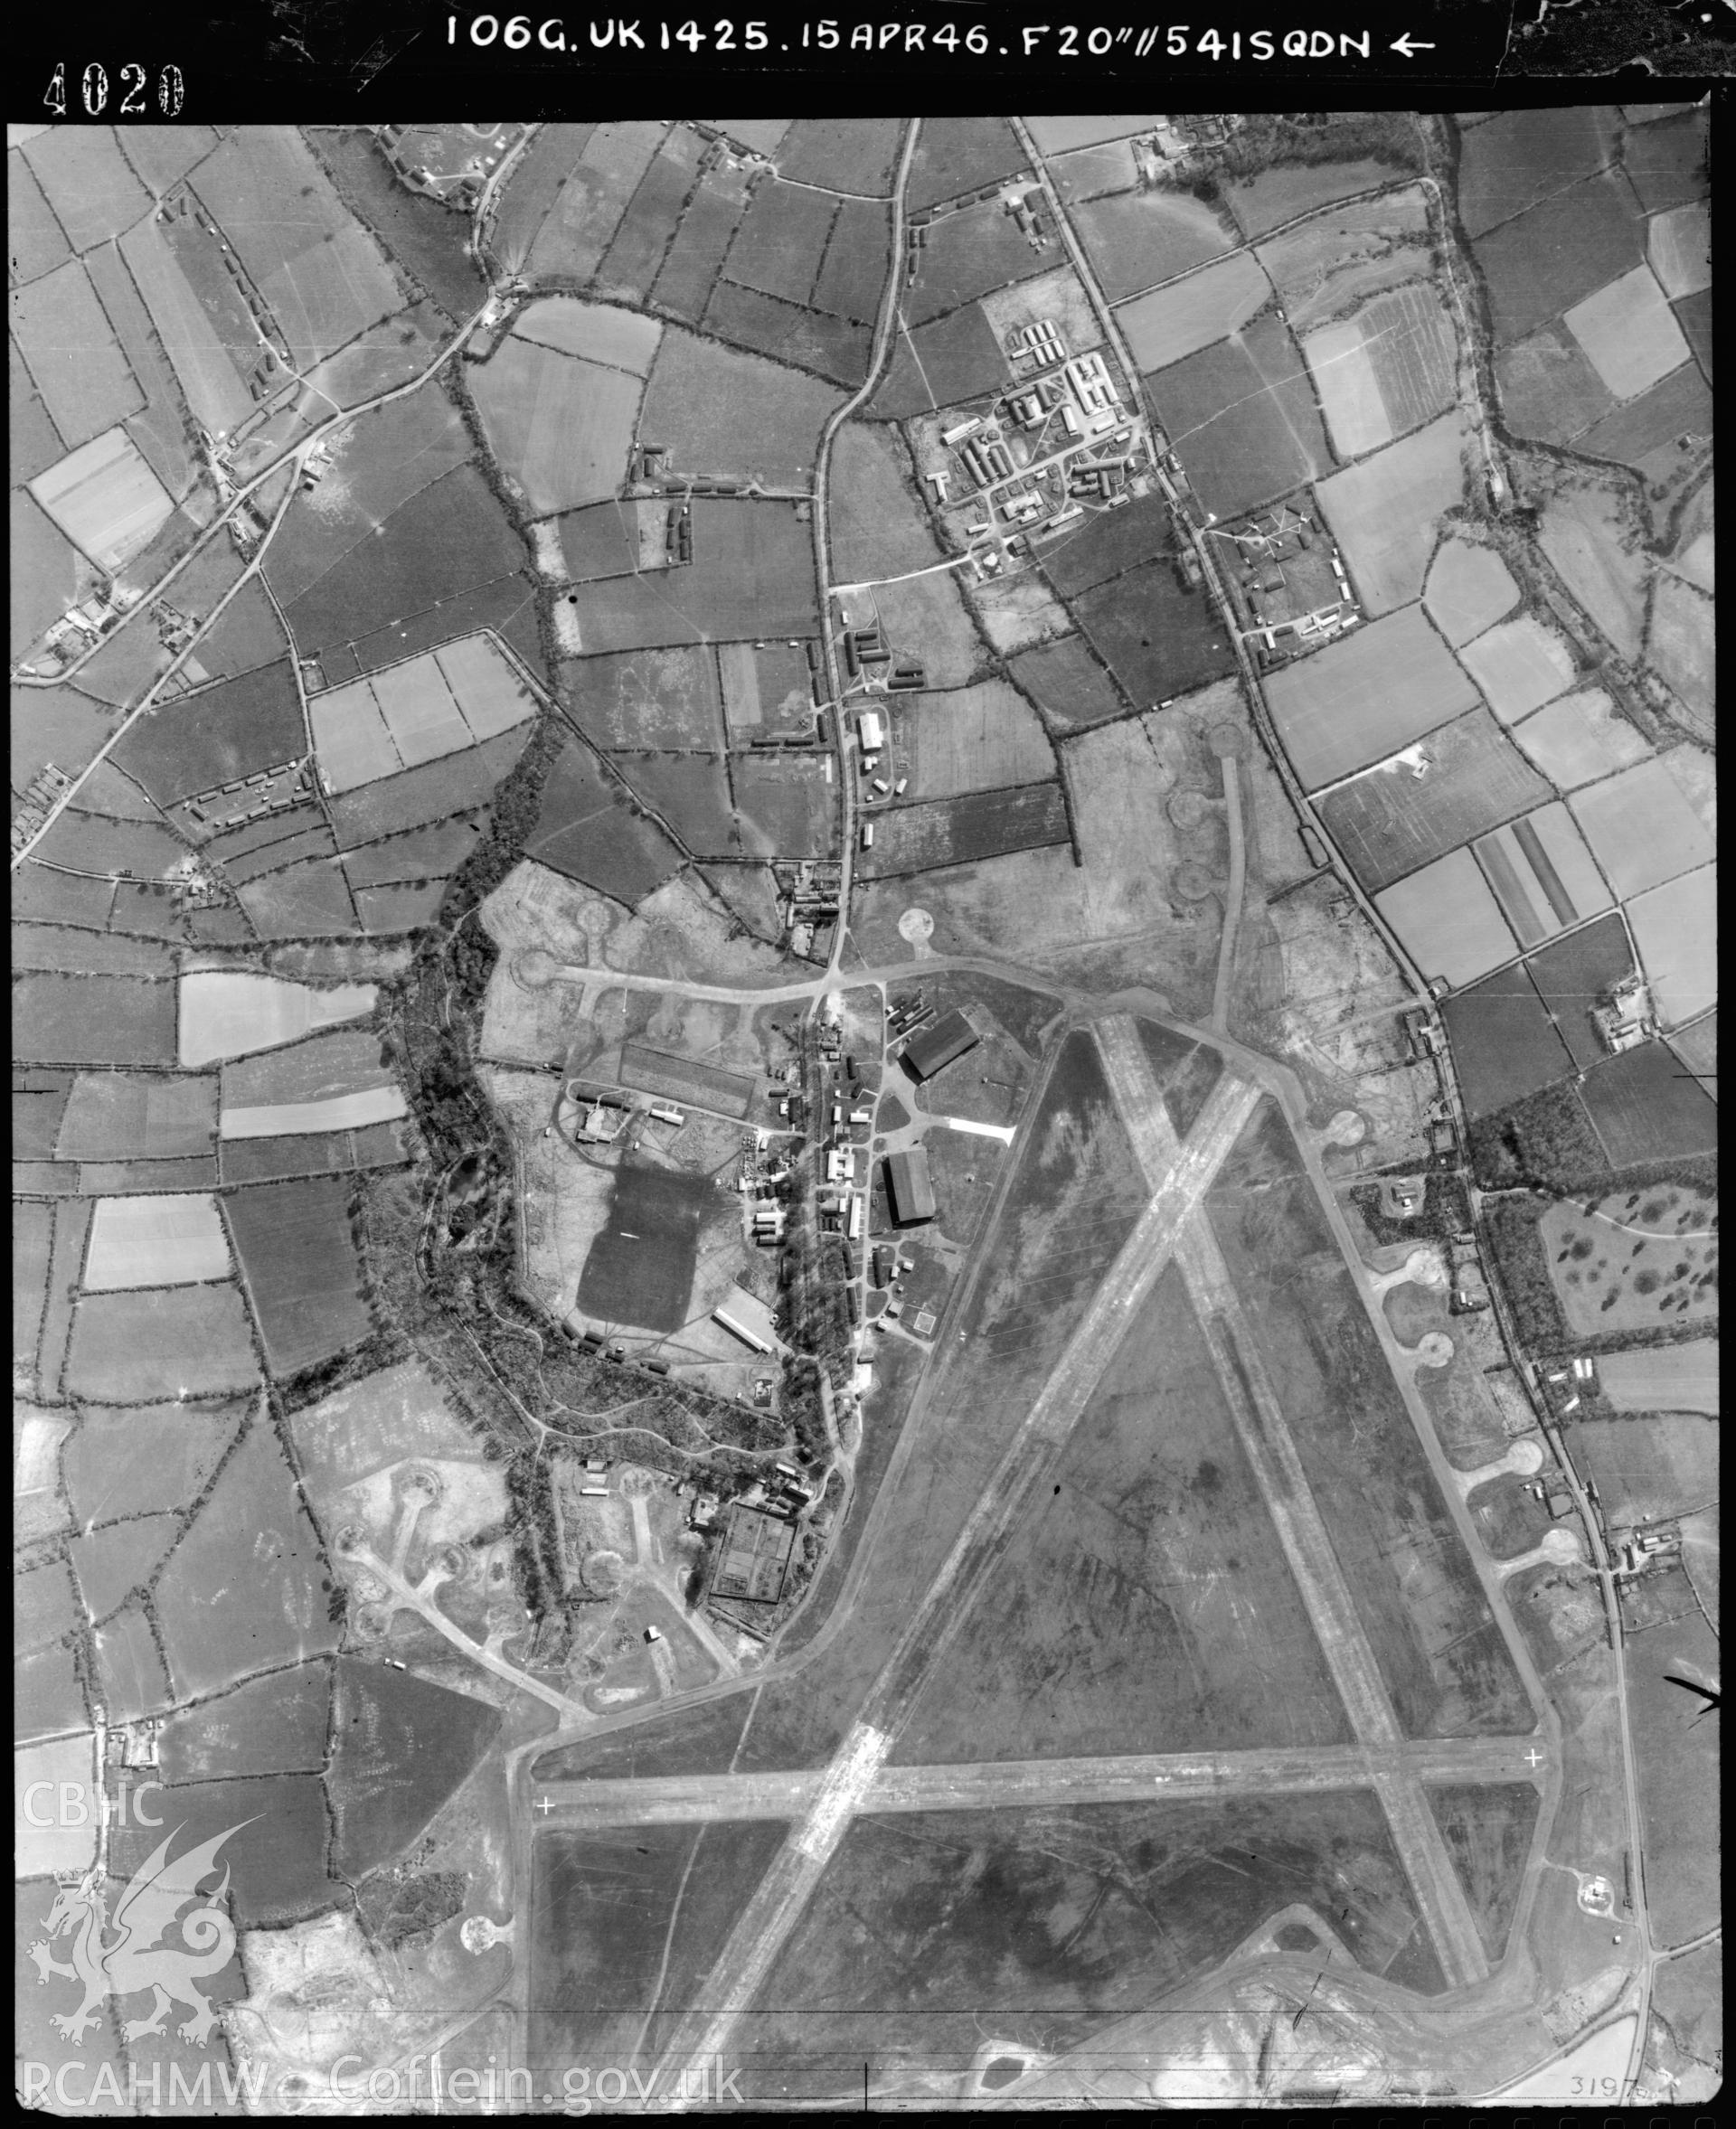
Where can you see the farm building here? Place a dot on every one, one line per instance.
(909, 1189)
(754, 1555)
(940, 1045)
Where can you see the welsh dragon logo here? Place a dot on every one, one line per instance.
(139, 1960)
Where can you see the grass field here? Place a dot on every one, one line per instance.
(58, 313)
(347, 1061)
(114, 1116)
(1189, 315)
(654, 698)
(1642, 827)
(275, 1725)
(401, 1746)
(1287, 190)
(1506, 1046)
(635, 252)
(1135, 239)
(299, 1262)
(1679, 404)
(1666, 162)
(1042, 1927)
(955, 156)
(1383, 512)
(689, 271)
(1656, 1467)
(1242, 417)
(562, 428)
(1676, 928)
(781, 240)
(186, 1340)
(1338, 711)
(671, 1893)
(1547, 388)
(1697, 1047)
(690, 792)
(835, 347)
(1681, 645)
(1678, 244)
(959, 830)
(215, 735)
(1669, 1379)
(1468, 589)
(242, 1591)
(425, 237)
(1584, 534)
(1520, 157)
(1678, 1777)
(1069, 686)
(1629, 333)
(1108, 542)
(1157, 635)
(1621, 1262)
(153, 1241)
(850, 154)
(786, 809)
(876, 526)
(307, 900)
(1557, 253)
(1147, 1608)
(1541, 874)
(732, 415)
(1645, 1107)
(1387, 822)
(92, 1020)
(385, 1418)
(1580, 739)
(1488, 1830)
(1345, 254)
(588, 829)
(928, 619)
(753, 556)
(640, 1267)
(586, 211)
(984, 737)
(949, 359)
(1439, 1649)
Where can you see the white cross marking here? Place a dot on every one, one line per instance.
(1535, 1757)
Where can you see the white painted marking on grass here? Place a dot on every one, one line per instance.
(1004, 1132)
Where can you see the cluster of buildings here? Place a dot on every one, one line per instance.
(1290, 583)
(40, 794)
(449, 163)
(808, 903)
(592, 1116)
(82, 627)
(1022, 468)
(1625, 1016)
(251, 798)
(870, 658)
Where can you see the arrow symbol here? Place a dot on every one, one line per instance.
(1409, 46)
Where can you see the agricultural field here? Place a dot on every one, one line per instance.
(1450, 922)
(1384, 371)
(1070, 687)
(963, 829)
(1345, 254)
(58, 313)
(180, 1341)
(653, 698)
(784, 808)
(588, 829)
(1110, 542)
(152, 1241)
(1642, 827)
(1547, 388)
(688, 792)
(635, 252)
(1384, 510)
(1666, 161)
(1242, 417)
(846, 154)
(978, 739)
(1623, 1261)
(1697, 1047)
(339, 1066)
(1678, 1769)
(959, 156)
(1641, 432)
(299, 1263)
(1136, 240)
(1579, 739)
(1629, 334)
(1107, 1632)
(575, 232)
(1506, 1046)
(781, 240)
(1681, 644)
(109, 504)
(1555, 254)
(1159, 637)
(1541, 873)
(92, 1020)
(1667, 1378)
(417, 711)
(230, 1013)
(1519, 664)
(1186, 315)
(835, 347)
(754, 557)
(1387, 822)
(1645, 1107)
(950, 359)
(1663, 1465)
(1341, 709)
(725, 414)
(425, 237)
(562, 428)
(1438, 1647)
(877, 526)
(1678, 245)
(461, 783)
(1286, 191)
(1598, 558)
(1520, 157)
(1468, 589)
